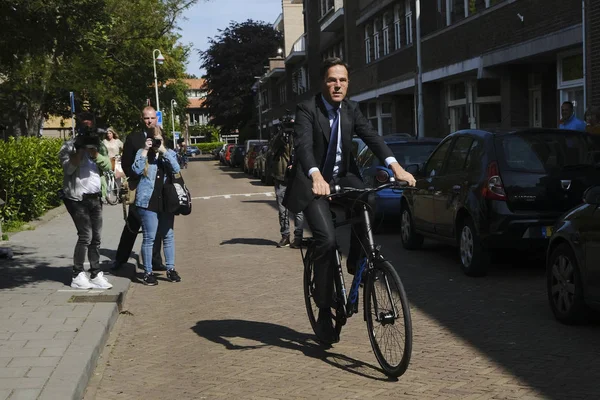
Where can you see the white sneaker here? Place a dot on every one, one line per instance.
(81, 281)
(100, 282)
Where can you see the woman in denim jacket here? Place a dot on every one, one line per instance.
(154, 163)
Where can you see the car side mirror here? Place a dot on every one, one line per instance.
(592, 196)
(413, 169)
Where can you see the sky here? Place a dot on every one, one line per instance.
(206, 17)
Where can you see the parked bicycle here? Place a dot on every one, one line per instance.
(385, 304)
(112, 188)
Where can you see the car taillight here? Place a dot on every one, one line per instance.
(382, 177)
(494, 188)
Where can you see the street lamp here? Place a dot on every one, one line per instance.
(160, 60)
(173, 105)
(259, 108)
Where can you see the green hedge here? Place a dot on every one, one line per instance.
(30, 177)
(208, 147)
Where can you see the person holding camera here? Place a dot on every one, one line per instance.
(282, 151)
(133, 143)
(153, 164)
(84, 160)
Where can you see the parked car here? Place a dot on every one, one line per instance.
(192, 151)
(489, 190)
(228, 153)
(259, 163)
(222, 153)
(248, 144)
(237, 156)
(573, 262)
(215, 152)
(250, 158)
(408, 151)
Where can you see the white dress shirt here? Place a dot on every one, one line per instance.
(331, 110)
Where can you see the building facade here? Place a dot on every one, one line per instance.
(485, 63)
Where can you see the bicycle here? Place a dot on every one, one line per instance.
(385, 304)
(112, 188)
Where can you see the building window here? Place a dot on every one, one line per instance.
(379, 114)
(337, 50)
(376, 37)
(368, 44)
(282, 94)
(264, 99)
(408, 19)
(397, 36)
(299, 81)
(570, 81)
(387, 21)
(326, 6)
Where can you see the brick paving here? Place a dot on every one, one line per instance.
(236, 326)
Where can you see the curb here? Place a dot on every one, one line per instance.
(72, 374)
(47, 217)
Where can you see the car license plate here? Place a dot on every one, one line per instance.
(546, 231)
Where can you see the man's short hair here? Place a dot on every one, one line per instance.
(569, 103)
(147, 108)
(332, 62)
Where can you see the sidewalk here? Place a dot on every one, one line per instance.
(51, 335)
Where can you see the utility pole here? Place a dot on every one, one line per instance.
(420, 117)
(259, 108)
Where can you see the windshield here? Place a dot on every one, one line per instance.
(544, 152)
(412, 153)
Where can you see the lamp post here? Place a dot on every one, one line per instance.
(259, 108)
(160, 60)
(173, 105)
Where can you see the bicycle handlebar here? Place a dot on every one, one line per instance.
(337, 190)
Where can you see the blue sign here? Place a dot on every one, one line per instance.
(159, 118)
(176, 135)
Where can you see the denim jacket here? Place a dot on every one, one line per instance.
(146, 185)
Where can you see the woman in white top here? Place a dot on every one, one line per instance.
(112, 143)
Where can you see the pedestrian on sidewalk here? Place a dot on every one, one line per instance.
(282, 152)
(84, 159)
(154, 163)
(569, 120)
(134, 142)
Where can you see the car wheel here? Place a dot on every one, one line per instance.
(473, 258)
(411, 240)
(565, 287)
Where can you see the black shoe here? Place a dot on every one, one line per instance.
(173, 276)
(284, 242)
(325, 330)
(116, 265)
(296, 244)
(150, 280)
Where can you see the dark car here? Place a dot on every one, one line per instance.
(485, 190)
(192, 151)
(408, 151)
(573, 262)
(237, 156)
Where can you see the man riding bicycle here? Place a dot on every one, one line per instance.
(323, 131)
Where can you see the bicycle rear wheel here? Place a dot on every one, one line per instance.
(112, 190)
(388, 319)
(309, 294)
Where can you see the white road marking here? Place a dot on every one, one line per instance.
(229, 196)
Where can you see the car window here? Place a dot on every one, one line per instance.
(436, 161)
(474, 158)
(365, 158)
(411, 152)
(458, 155)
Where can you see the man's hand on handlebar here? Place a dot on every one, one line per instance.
(319, 187)
(400, 174)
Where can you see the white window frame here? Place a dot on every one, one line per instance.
(367, 44)
(564, 87)
(397, 28)
(467, 6)
(326, 6)
(386, 35)
(376, 46)
(408, 19)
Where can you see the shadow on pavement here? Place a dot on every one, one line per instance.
(27, 268)
(505, 316)
(227, 332)
(250, 241)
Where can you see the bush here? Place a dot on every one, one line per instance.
(208, 147)
(30, 177)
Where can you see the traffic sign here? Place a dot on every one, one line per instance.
(159, 118)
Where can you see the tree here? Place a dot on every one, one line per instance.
(234, 58)
(99, 49)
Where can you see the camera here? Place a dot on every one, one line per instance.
(156, 142)
(89, 138)
(287, 123)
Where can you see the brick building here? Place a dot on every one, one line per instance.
(593, 51)
(485, 63)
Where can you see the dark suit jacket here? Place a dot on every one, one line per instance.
(311, 138)
(134, 142)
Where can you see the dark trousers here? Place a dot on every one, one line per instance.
(128, 236)
(87, 216)
(318, 216)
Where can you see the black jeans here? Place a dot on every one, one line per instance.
(318, 216)
(128, 236)
(87, 216)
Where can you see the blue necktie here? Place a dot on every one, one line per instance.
(332, 148)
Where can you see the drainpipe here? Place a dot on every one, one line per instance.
(420, 118)
(584, 54)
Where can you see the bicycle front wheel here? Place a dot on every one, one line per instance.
(112, 191)
(388, 319)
